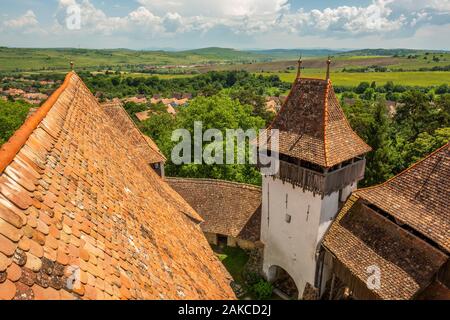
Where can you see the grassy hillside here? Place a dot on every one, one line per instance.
(224, 54)
(15, 59)
(288, 54)
(349, 68)
(387, 52)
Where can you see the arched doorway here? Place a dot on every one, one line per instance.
(282, 281)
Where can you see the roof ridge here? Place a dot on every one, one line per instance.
(10, 149)
(120, 105)
(283, 105)
(217, 181)
(406, 170)
(325, 120)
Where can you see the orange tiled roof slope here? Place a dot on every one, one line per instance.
(360, 238)
(419, 197)
(79, 203)
(313, 126)
(228, 208)
(142, 143)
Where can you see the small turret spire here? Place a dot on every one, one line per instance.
(328, 67)
(71, 65)
(299, 67)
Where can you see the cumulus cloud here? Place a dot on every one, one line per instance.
(345, 20)
(216, 8)
(250, 18)
(25, 21)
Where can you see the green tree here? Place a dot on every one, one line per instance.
(12, 115)
(424, 144)
(217, 112)
(380, 159)
(250, 97)
(362, 87)
(159, 127)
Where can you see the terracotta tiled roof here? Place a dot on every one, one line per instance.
(143, 115)
(228, 208)
(77, 201)
(419, 197)
(143, 144)
(360, 238)
(313, 126)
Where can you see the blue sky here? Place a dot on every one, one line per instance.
(244, 24)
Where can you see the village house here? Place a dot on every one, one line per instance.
(143, 115)
(84, 216)
(13, 92)
(138, 99)
(273, 104)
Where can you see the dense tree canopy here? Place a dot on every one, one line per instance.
(207, 84)
(421, 124)
(216, 112)
(12, 115)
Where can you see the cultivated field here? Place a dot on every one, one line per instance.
(353, 79)
(406, 67)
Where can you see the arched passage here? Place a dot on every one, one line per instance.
(283, 281)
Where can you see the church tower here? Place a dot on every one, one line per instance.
(321, 161)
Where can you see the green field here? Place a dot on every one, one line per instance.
(23, 59)
(402, 65)
(353, 79)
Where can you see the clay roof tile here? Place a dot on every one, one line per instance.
(83, 215)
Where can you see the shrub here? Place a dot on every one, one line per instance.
(262, 290)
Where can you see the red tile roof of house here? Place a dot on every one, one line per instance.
(228, 208)
(313, 126)
(77, 199)
(143, 115)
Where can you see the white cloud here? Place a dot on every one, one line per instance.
(216, 8)
(345, 20)
(23, 22)
(243, 20)
(162, 18)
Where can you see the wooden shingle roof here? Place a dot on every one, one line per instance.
(313, 126)
(361, 239)
(419, 197)
(79, 202)
(402, 226)
(228, 208)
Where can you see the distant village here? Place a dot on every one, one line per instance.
(28, 90)
(36, 92)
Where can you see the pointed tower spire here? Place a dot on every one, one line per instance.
(299, 67)
(328, 67)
